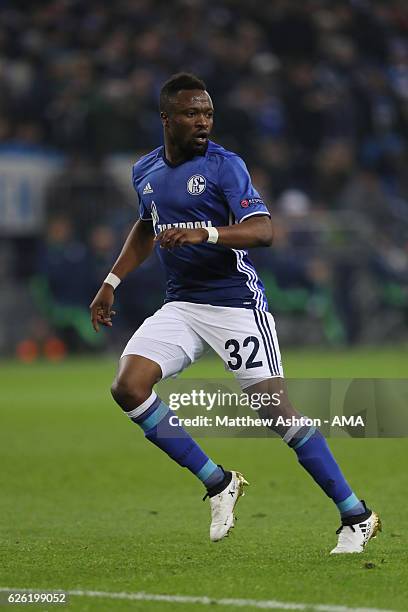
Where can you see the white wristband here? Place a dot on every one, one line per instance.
(112, 280)
(212, 234)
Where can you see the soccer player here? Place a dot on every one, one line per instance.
(198, 205)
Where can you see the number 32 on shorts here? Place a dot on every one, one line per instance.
(237, 353)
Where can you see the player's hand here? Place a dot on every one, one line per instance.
(101, 307)
(176, 237)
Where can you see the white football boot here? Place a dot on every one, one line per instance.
(355, 531)
(223, 504)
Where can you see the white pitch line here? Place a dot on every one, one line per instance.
(206, 601)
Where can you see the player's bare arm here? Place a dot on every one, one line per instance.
(138, 246)
(253, 232)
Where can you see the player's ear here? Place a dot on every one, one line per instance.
(164, 119)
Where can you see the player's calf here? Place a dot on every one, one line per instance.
(162, 427)
(315, 456)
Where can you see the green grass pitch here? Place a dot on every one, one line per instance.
(87, 503)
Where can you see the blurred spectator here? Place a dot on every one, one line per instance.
(64, 263)
(102, 252)
(26, 167)
(85, 192)
(62, 286)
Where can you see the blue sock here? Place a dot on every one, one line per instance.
(315, 456)
(162, 427)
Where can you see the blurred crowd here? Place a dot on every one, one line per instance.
(312, 93)
(305, 89)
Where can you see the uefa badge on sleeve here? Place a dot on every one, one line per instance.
(251, 202)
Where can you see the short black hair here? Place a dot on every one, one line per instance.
(176, 83)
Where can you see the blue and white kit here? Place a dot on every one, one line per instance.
(213, 293)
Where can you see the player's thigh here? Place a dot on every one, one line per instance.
(166, 339)
(246, 340)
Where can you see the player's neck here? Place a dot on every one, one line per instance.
(173, 154)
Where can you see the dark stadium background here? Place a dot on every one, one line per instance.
(313, 95)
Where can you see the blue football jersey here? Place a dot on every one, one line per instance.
(211, 190)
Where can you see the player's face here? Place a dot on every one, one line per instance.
(190, 120)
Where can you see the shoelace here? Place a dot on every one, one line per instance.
(339, 530)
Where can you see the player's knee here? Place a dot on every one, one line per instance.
(129, 394)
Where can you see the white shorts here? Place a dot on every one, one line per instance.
(178, 334)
